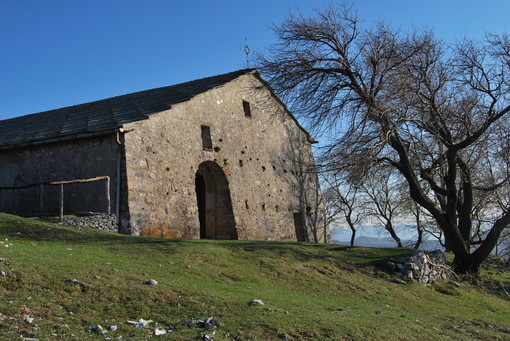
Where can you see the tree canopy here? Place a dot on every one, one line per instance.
(437, 113)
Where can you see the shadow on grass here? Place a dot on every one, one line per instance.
(36, 229)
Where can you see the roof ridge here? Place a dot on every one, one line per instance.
(240, 72)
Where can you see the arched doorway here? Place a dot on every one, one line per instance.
(214, 204)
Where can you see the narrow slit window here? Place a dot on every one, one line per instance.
(206, 137)
(247, 109)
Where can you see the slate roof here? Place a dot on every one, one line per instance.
(103, 116)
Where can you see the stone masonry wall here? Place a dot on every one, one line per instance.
(265, 159)
(78, 159)
(100, 221)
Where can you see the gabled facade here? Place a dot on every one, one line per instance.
(220, 157)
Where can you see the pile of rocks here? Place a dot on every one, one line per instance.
(100, 221)
(498, 263)
(425, 267)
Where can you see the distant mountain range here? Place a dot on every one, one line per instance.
(388, 242)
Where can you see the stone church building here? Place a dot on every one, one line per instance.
(218, 157)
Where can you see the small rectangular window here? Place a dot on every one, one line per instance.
(247, 109)
(206, 137)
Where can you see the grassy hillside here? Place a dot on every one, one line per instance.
(311, 292)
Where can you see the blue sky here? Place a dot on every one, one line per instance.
(56, 53)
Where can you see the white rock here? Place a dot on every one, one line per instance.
(28, 319)
(159, 331)
(256, 302)
(141, 323)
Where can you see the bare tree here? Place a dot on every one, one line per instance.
(342, 197)
(385, 200)
(417, 213)
(436, 113)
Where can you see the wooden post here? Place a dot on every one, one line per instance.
(108, 208)
(41, 198)
(61, 201)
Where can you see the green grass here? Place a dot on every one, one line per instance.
(310, 291)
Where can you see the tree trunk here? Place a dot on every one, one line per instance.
(466, 265)
(389, 228)
(419, 228)
(353, 235)
(420, 238)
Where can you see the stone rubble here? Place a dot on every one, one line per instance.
(80, 283)
(340, 312)
(425, 267)
(208, 323)
(98, 329)
(159, 331)
(28, 319)
(207, 337)
(100, 221)
(141, 323)
(255, 302)
(399, 281)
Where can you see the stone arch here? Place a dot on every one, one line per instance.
(215, 211)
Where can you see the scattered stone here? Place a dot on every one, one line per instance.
(455, 284)
(151, 282)
(208, 323)
(112, 328)
(159, 331)
(211, 323)
(206, 337)
(340, 312)
(2, 260)
(80, 283)
(141, 323)
(192, 323)
(378, 312)
(3, 273)
(29, 339)
(255, 302)
(399, 281)
(98, 329)
(28, 319)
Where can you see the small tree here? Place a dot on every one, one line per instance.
(385, 201)
(437, 114)
(342, 197)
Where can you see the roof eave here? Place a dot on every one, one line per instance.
(70, 137)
